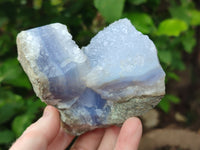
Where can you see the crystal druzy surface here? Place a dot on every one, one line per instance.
(118, 75)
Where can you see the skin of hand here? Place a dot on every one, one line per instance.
(47, 134)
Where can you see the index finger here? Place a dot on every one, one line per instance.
(130, 134)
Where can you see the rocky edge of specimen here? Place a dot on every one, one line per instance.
(118, 75)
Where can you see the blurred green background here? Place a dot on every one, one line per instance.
(174, 26)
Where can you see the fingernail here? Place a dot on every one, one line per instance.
(47, 111)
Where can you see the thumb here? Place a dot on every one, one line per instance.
(40, 134)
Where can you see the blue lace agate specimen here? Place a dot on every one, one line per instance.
(118, 75)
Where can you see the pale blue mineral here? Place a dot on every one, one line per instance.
(118, 75)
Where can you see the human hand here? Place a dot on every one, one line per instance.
(47, 134)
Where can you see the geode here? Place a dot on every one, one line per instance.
(117, 76)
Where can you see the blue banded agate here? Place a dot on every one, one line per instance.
(116, 76)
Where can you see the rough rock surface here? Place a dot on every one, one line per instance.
(118, 75)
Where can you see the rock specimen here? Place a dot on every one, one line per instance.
(118, 75)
